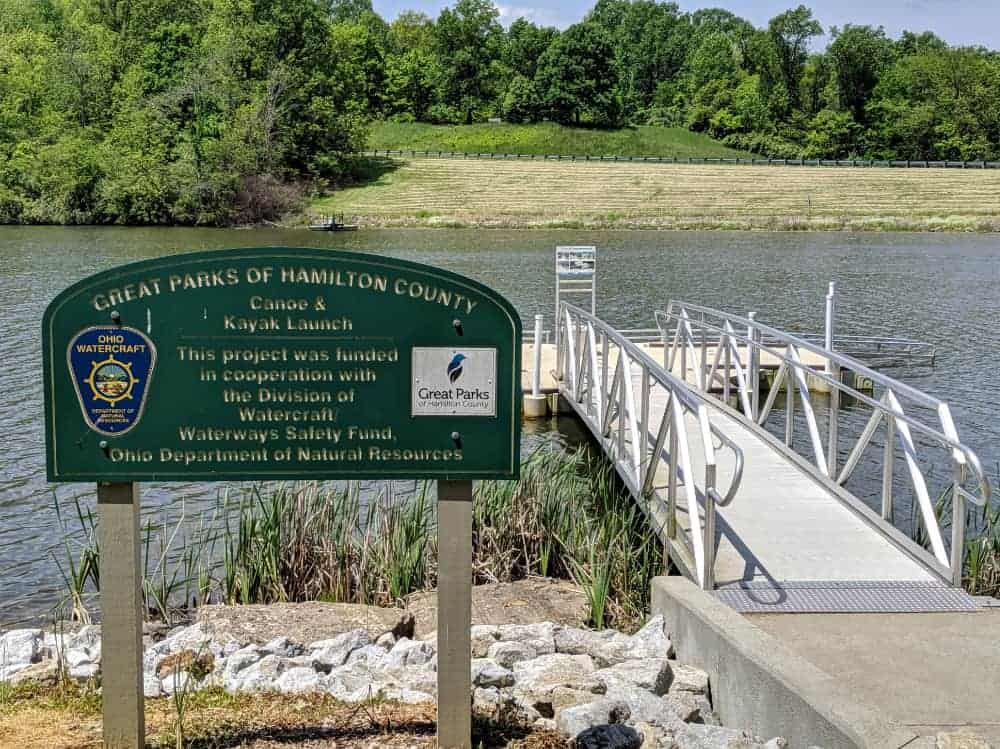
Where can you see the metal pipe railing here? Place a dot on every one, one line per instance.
(647, 419)
(680, 320)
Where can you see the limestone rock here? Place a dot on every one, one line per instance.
(422, 678)
(386, 641)
(613, 650)
(88, 636)
(298, 679)
(263, 675)
(694, 736)
(44, 673)
(651, 674)
(486, 701)
(688, 679)
(652, 640)
(351, 683)
(557, 670)
(284, 647)
(371, 656)
(603, 711)
(609, 737)
(151, 686)
(20, 647)
(685, 706)
(234, 667)
(408, 652)
(488, 673)
(329, 654)
(85, 671)
(509, 653)
(576, 641)
(484, 636)
(539, 636)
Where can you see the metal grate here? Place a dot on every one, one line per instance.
(845, 597)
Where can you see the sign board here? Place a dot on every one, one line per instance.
(279, 363)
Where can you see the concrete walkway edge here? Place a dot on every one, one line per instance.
(761, 685)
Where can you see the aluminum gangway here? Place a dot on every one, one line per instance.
(757, 490)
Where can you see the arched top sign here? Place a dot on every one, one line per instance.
(280, 363)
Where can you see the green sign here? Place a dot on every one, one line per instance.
(280, 363)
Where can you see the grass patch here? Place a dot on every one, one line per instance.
(548, 138)
(608, 195)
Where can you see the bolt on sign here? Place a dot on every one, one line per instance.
(279, 363)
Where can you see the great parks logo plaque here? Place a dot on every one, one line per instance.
(279, 363)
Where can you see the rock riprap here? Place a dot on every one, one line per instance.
(602, 689)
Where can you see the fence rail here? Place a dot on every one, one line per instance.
(754, 161)
(719, 352)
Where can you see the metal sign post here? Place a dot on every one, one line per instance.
(270, 364)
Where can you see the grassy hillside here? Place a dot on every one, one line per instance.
(547, 138)
(481, 192)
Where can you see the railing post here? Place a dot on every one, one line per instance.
(833, 425)
(559, 346)
(789, 401)
(958, 528)
(753, 364)
(887, 466)
(831, 310)
(684, 356)
(708, 574)
(536, 375)
(672, 476)
(728, 364)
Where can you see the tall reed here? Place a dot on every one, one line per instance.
(567, 517)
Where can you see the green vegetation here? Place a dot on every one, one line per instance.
(565, 194)
(225, 111)
(547, 138)
(567, 517)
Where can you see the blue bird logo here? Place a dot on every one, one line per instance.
(455, 367)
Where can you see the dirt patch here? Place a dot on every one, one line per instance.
(529, 601)
(303, 622)
(269, 721)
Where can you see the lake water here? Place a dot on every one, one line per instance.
(944, 289)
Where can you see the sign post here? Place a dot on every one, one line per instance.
(121, 609)
(275, 364)
(454, 614)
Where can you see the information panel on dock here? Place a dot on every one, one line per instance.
(280, 363)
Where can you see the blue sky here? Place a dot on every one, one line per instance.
(957, 21)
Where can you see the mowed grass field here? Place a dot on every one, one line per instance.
(552, 194)
(547, 138)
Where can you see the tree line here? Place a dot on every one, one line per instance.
(219, 111)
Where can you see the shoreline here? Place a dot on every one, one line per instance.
(790, 224)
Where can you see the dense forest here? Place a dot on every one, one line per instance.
(220, 111)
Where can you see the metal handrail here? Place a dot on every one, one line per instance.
(625, 423)
(683, 318)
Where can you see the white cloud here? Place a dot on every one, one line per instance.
(540, 16)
